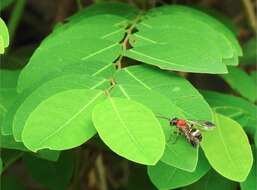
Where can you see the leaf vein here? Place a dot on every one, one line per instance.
(69, 120)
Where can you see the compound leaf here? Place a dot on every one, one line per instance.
(70, 47)
(177, 89)
(179, 35)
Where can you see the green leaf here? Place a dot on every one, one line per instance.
(176, 88)
(8, 142)
(62, 121)
(254, 76)
(63, 50)
(4, 34)
(180, 35)
(8, 78)
(48, 154)
(8, 118)
(227, 147)
(52, 175)
(129, 129)
(78, 81)
(119, 9)
(251, 181)
(166, 177)
(241, 82)
(250, 55)
(5, 3)
(212, 181)
(234, 107)
(181, 155)
(8, 81)
(224, 19)
(8, 96)
(226, 36)
(1, 45)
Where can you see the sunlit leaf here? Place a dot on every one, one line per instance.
(228, 37)
(176, 88)
(180, 154)
(78, 81)
(130, 129)
(227, 147)
(177, 45)
(4, 35)
(62, 52)
(62, 121)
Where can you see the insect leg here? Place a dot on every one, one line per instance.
(177, 134)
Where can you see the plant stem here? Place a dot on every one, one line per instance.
(125, 41)
(101, 173)
(15, 18)
(249, 8)
(77, 165)
(11, 161)
(79, 4)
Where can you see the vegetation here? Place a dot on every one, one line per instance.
(84, 107)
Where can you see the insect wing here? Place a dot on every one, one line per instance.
(202, 125)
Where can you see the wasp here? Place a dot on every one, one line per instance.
(191, 129)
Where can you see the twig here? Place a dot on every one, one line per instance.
(249, 8)
(11, 161)
(125, 42)
(101, 173)
(77, 165)
(79, 4)
(15, 17)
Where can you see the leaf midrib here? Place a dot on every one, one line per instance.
(130, 135)
(223, 142)
(69, 120)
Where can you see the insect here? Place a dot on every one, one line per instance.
(191, 129)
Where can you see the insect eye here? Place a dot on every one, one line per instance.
(209, 124)
(174, 121)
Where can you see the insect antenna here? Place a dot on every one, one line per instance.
(162, 117)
